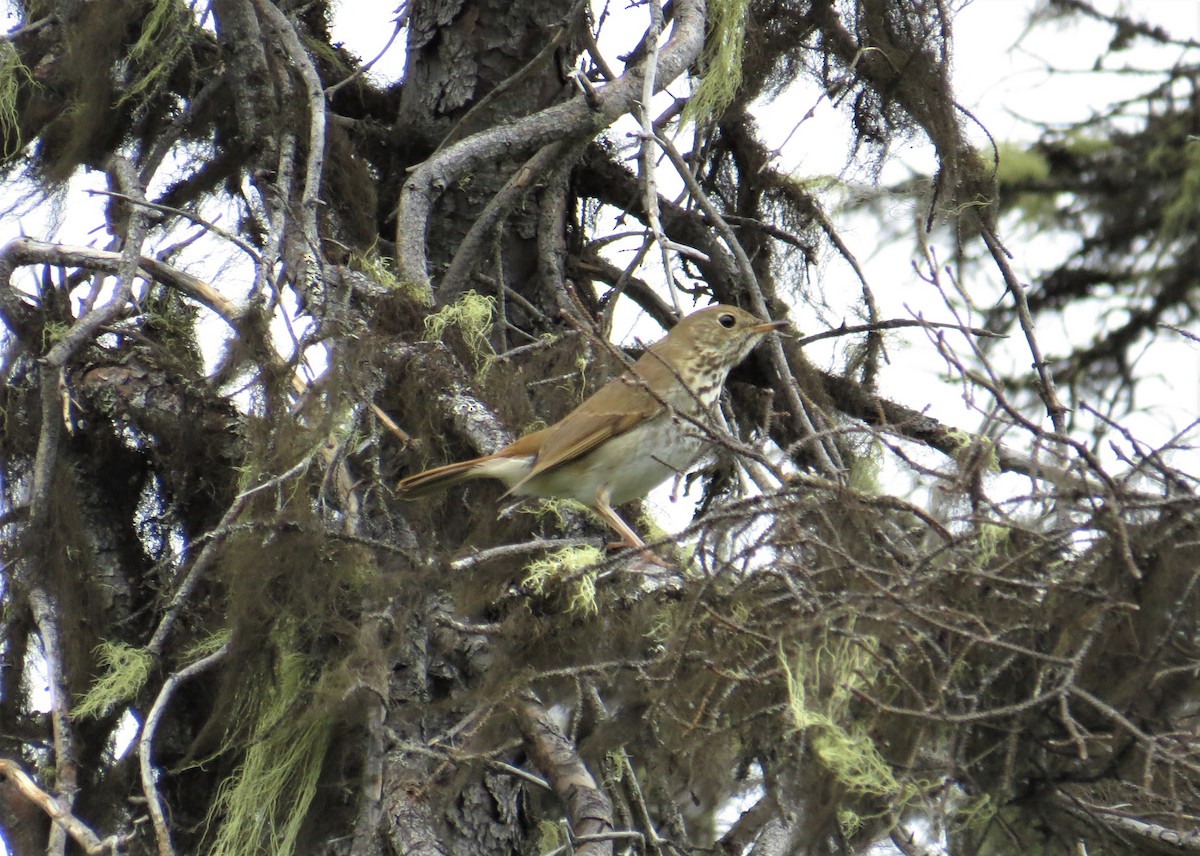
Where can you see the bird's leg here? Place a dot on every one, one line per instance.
(629, 538)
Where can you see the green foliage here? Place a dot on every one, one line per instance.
(264, 804)
(1085, 144)
(1025, 172)
(1017, 163)
(1179, 215)
(721, 60)
(125, 672)
(1023, 167)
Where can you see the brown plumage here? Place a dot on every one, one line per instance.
(629, 436)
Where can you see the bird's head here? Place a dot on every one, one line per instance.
(719, 335)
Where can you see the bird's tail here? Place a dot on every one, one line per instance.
(441, 477)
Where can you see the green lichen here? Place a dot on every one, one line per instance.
(13, 75)
(381, 270)
(551, 837)
(157, 51)
(208, 645)
(53, 333)
(263, 806)
(583, 597)
(560, 509)
(990, 538)
(125, 670)
(974, 449)
(572, 563)
(652, 532)
(721, 60)
(976, 814)
(820, 684)
(472, 315)
(865, 469)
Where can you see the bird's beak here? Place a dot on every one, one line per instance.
(769, 326)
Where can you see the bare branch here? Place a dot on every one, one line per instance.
(91, 843)
(589, 810)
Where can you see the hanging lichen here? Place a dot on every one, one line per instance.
(472, 315)
(154, 56)
(820, 686)
(13, 75)
(724, 45)
(125, 670)
(264, 805)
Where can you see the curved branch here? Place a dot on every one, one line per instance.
(27, 251)
(855, 400)
(575, 118)
(807, 419)
(467, 256)
(146, 744)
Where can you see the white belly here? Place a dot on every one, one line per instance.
(626, 467)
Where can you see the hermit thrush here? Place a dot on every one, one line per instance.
(633, 434)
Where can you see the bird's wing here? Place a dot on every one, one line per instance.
(617, 407)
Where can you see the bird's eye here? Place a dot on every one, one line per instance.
(727, 321)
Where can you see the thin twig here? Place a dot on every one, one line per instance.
(646, 154)
(1046, 389)
(827, 453)
(187, 215)
(895, 324)
(401, 19)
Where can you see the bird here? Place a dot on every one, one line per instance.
(632, 434)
